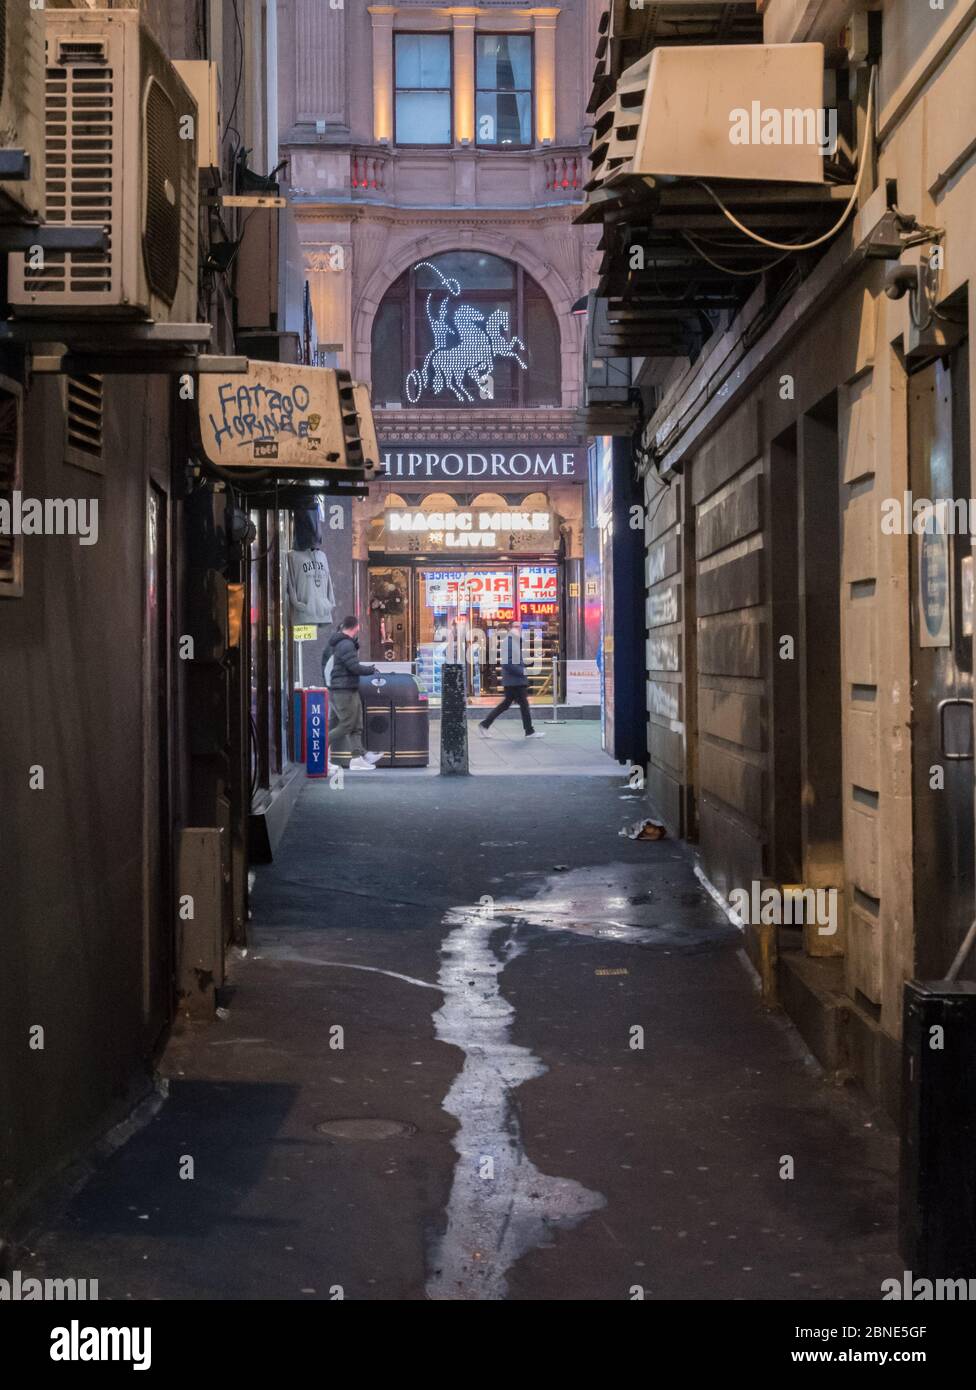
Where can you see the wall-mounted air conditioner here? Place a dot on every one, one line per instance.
(120, 153)
(732, 111)
(22, 108)
(203, 80)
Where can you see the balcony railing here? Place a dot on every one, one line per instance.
(413, 176)
(367, 172)
(563, 173)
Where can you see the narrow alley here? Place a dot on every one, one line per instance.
(489, 1123)
(487, 704)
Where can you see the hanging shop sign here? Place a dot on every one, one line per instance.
(275, 414)
(484, 463)
(468, 530)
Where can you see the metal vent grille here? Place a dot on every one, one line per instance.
(86, 411)
(10, 546)
(164, 193)
(79, 151)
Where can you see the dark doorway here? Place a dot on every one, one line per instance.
(821, 714)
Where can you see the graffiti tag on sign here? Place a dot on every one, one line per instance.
(255, 417)
(274, 413)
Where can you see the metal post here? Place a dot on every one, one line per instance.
(454, 724)
(555, 691)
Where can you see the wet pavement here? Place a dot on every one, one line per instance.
(483, 1047)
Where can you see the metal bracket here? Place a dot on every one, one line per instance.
(247, 200)
(114, 335)
(126, 364)
(53, 238)
(15, 165)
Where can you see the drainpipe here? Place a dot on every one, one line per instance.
(271, 81)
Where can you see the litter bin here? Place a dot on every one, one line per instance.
(396, 719)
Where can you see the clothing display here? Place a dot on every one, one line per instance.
(311, 596)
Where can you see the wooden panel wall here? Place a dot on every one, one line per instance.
(728, 503)
(666, 664)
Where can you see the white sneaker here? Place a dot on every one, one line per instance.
(374, 758)
(361, 765)
(484, 731)
(537, 734)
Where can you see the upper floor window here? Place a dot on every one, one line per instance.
(465, 328)
(423, 89)
(504, 89)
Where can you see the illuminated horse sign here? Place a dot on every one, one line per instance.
(465, 347)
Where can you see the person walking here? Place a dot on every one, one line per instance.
(515, 683)
(346, 710)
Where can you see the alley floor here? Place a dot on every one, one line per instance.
(482, 1047)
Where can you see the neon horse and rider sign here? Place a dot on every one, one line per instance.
(466, 346)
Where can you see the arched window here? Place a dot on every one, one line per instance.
(465, 328)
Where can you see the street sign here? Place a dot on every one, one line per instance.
(275, 414)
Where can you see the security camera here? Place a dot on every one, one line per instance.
(901, 280)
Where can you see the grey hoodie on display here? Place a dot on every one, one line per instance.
(311, 596)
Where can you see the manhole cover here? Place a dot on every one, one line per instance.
(364, 1129)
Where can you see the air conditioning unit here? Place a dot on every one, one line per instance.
(22, 108)
(728, 111)
(120, 153)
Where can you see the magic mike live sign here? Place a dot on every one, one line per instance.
(489, 465)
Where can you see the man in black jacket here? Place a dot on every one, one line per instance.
(346, 715)
(515, 684)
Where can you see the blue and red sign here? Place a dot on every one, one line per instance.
(316, 733)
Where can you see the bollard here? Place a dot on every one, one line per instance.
(555, 692)
(454, 724)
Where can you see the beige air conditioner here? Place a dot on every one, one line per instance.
(734, 111)
(22, 107)
(116, 156)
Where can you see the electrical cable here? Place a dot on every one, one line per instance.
(790, 247)
(240, 78)
(725, 269)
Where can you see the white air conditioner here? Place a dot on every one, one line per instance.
(22, 106)
(727, 111)
(115, 120)
(203, 79)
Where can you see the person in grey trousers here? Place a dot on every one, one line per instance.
(346, 710)
(515, 684)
